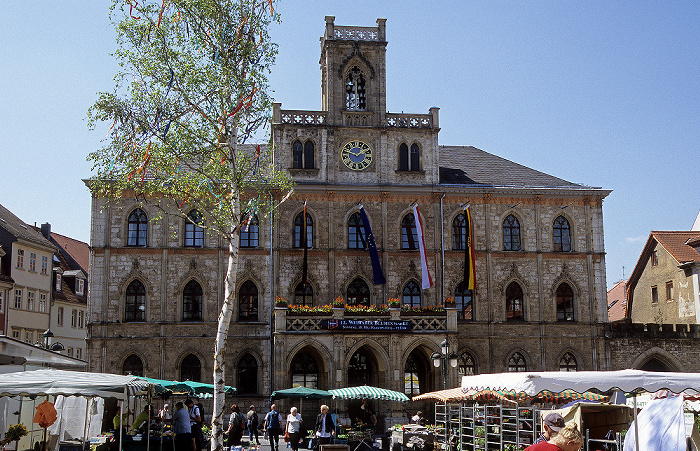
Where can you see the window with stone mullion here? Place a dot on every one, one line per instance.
(356, 238)
(459, 232)
(411, 295)
(511, 233)
(137, 228)
(409, 234)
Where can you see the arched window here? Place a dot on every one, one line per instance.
(459, 232)
(304, 295)
(248, 302)
(467, 364)
(516, 363)
(355, 95)
(192, 302)
(298, 227)
(568, 362)
(358, 293)
(356, 237)
(247, 375)
(412, 376)
(135, 305)
(309, 155)
(514, 303)
(362, 368)
(415, 158)
(191, 369)
(411, 294)
(565, 303)
(133, 366)
(511, 233)
(297, 155)
(304, 371)
(403, 157)
(138, 228)
(194, 233)
(250, 231)
(409, 235)
(561, 235)
(465, 303)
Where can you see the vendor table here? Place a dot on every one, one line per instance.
(358, 439)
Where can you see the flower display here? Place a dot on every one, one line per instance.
(450, 302)
(15, 432)
(366, 309)
(394, 303)
(310, 309)
(339, 302)
(281, 302)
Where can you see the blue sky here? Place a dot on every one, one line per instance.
(600, 93)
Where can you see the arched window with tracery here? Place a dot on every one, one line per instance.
(411, 294)
(356, 236)
(250, 231)
(414, 375)
(561, 235)
(297, 155)
(192, 301)
(133, 366)
(304, 295)
(135, 304)
(362, 368)
(403, 157)
(409, 234)
(355, 94)
(309, 154)
(511, 233)
(514, 303)
(358, 293)
(415, 158)
(248, 302)
(516, 363)
(138, 228)
(464, 301)
(565, 303)
(194, 233)
(568, 362)
(459, 232)
(191, 369)
(305, 371)
(247, 375)
(299, 226)
(467, 364)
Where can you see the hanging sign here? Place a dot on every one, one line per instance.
(367, 325)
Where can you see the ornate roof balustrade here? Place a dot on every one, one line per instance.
(356, 33)
(402, 120)
(357, 118)
(300, 117)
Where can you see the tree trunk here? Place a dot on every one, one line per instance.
(219, 410)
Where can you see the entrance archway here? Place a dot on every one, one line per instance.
(362, 368)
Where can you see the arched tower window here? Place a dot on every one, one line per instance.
(459, 232)
(409, 235)
(297, 155)
(467, 364)
(516, 363)
(309, 155)
(250, 231)
(248, 302)
(247, 375)
(511, 233)
(194, 233)
(133, 366)
(356, 238)
(561, 235)
(568, 362)
(138, 228)
(358, 293)
(415, 158)
(403, 157)
(464, 301)
(411, 294)
(514, 303)
(135, 305)
(192, 301)
(298, 226)
(191, 369)
(304, 371)
(355, 94)
(565, 303)
(304, 295)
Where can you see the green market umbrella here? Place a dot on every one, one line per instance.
(367, 392)
(300, 392)
(202, 390)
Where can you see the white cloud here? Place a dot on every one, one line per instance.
(636, 239)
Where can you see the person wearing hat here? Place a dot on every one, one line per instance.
(551, 425)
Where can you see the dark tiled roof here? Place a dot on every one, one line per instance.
(20, 230)
(676, 244)
(472, 166)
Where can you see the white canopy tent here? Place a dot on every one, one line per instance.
(629, 381)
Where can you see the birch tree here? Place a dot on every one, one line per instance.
(190, 95)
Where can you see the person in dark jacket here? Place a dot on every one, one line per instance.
(324, 429)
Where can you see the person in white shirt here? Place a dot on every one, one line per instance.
(294, 428)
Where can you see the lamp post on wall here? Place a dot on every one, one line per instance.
(58, 347)
(443, 358)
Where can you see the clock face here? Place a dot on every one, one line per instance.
(356, 154)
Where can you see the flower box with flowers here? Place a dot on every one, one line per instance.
(366, 310)
(281, 302)
(450, 303)
(306, 310)
(431, 310)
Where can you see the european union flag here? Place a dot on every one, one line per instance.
(369, 239)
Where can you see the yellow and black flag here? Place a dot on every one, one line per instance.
(469, 265)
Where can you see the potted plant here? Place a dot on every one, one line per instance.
(394, 303)
(281, 302)
(450, 303)
(338, 302)
(14, 433)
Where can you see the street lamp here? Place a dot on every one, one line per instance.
(58, 347)
(445, 356)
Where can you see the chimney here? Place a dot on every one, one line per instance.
(46, 230)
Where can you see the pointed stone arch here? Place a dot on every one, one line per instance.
(660, 355)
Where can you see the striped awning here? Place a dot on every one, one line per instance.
(457, 395)
(367, 392)
(450, 395)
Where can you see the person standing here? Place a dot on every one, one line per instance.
(551, 425)
(164, 413)
(272, 422)
(324, 428)
(182, 429)
(294, 428)
(195, 424)
(252, 425)
(236, 425)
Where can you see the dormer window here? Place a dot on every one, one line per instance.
(355, 94)
(79, 287)
(58, 281)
